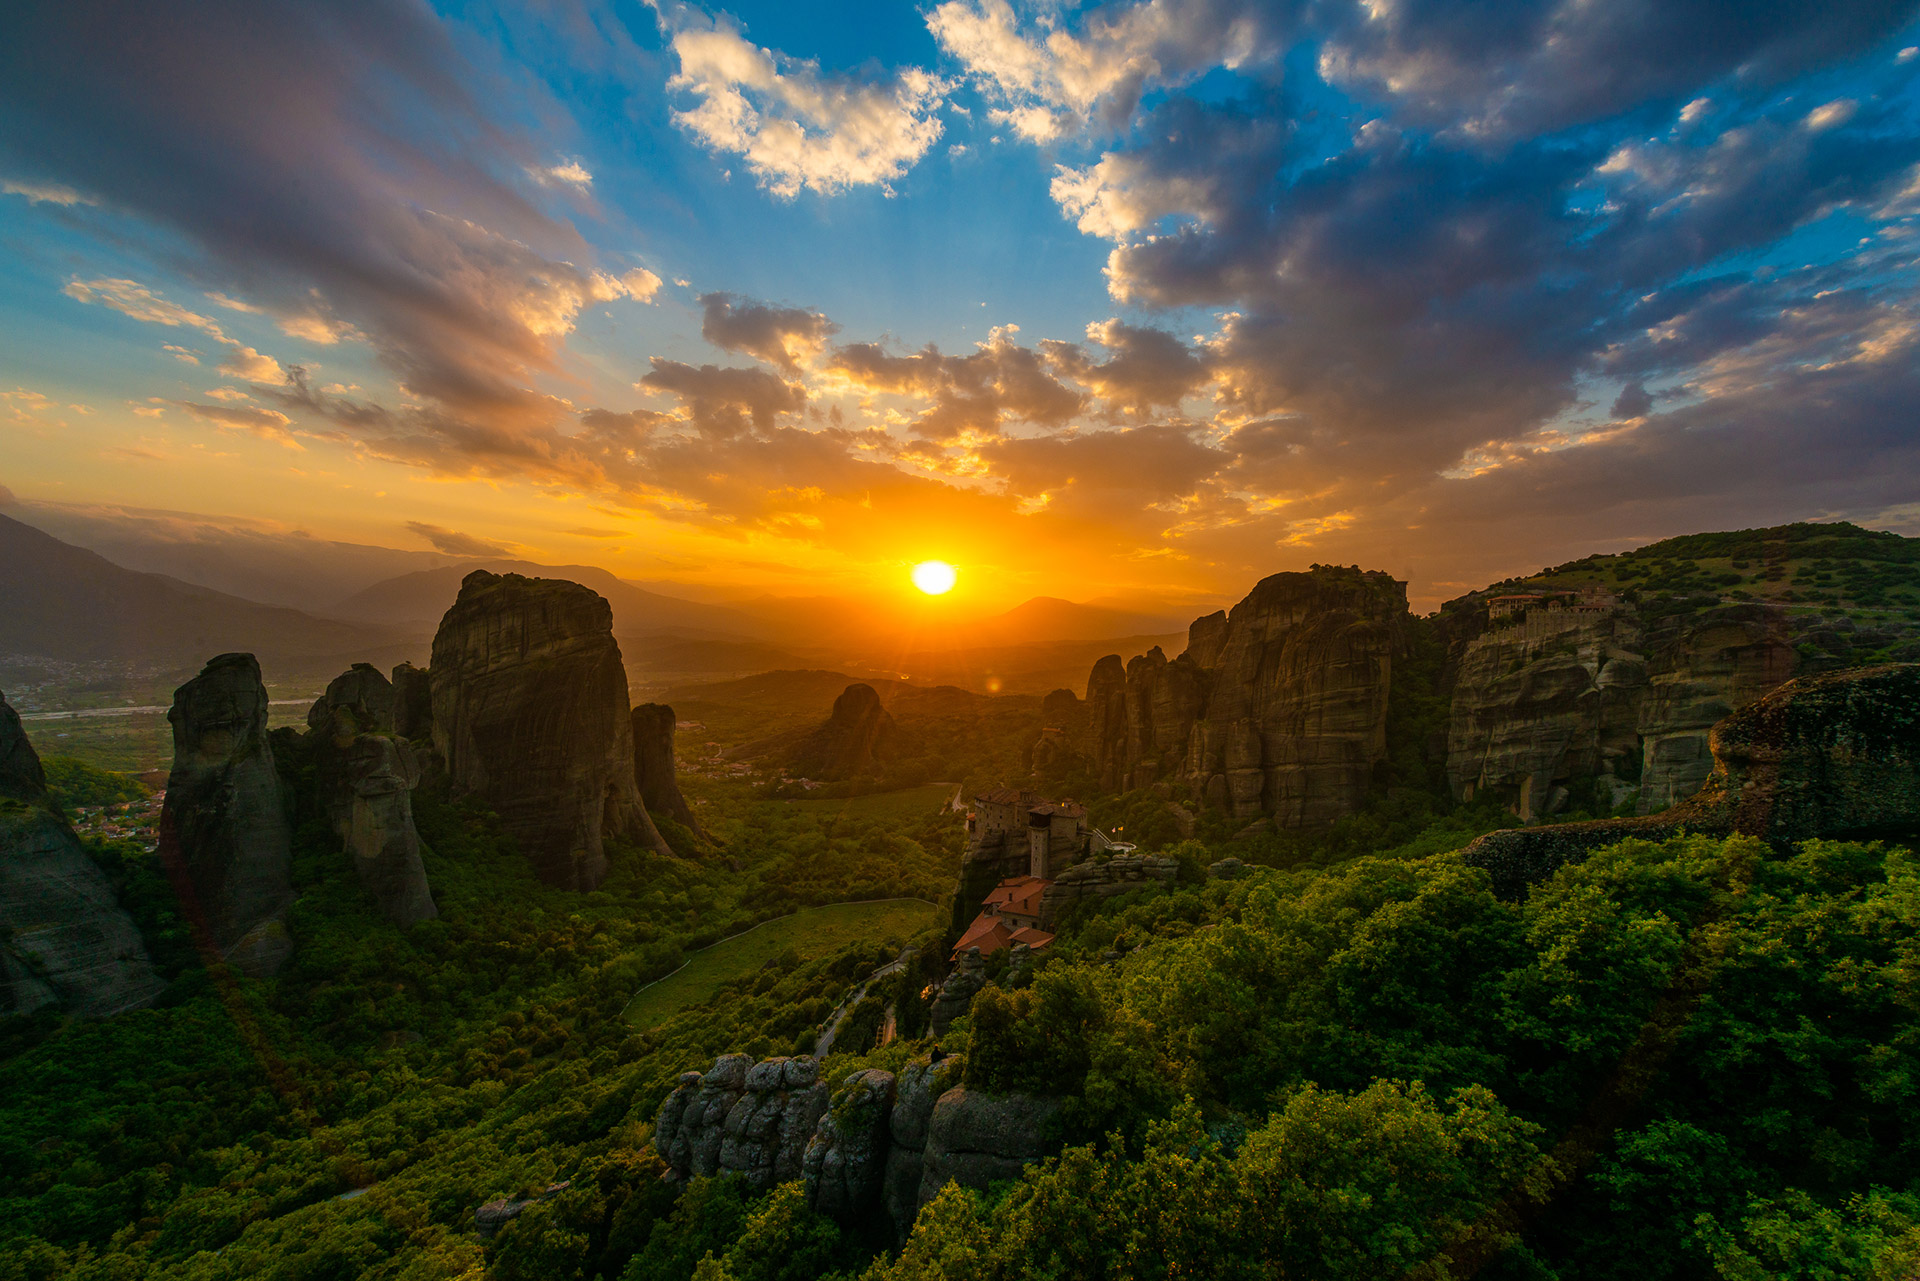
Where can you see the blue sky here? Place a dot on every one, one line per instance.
(1145, 299)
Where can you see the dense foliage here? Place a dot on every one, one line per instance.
(1696, 1058)
(73, 783)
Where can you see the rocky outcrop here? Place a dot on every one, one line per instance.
(223, 827)
(1700, 671)
(1540, 706)
(1277, 708)
(957, 992)
(974, 1138)
(1099, 878)
(858, 740)
(741, 1117)
(64, 940)
(653, 766)
(920, 1085)
(1570, 698)
(847, 1157)
(412, 702)
(530, 713)
(1836, 756)
(365, 775)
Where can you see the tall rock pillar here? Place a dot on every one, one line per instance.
(530, 713)
(224, 825)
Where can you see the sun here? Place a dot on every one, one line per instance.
(934, 577)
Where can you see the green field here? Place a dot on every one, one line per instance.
(886, 807)
(130, 741)
(811, 932)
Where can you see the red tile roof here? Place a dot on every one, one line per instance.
(1019, 894)
(1035, 939)
(988, 933)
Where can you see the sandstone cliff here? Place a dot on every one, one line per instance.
(856, 741)
(64, 940)
(530, 713)
(1598, 698)
(741, 1117)
(366, 775)
(223, 828)
(1836, 755)
(654, 771)
(1278, 707)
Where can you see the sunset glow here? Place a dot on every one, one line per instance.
(934, 577)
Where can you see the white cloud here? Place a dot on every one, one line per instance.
(795, 126)
(46, 193)
(131, 298)
(1053, 81)
(568, 172)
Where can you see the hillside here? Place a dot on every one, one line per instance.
(70, 604)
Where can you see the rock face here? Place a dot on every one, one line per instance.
(530, 713)
(1103, 878)
(975, 1139)
(855, 742)
(1544, 704)
(412, 702)
(1821, 756)
(64, 940)
(847, 1156)
(920, 1086)
(653, 765)
(223, 827)
(958, 991)
(366, 776)
(1277, 708)
(742, 1117)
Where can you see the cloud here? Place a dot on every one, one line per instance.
(130, 298)
(1146, 368)
(1500, 71)
(455, 543)
(796, 126)
(784, 336)
(966, 396)
(1051, 80)
(268, 424)
(46, 193)
(569, 173)
(725, 403)
(365, 192)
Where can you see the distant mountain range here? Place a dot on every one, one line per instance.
(65, 602)
(69, 602)
(416, 601)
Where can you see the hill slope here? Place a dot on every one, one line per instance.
(68, 603)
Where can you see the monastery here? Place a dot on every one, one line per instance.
(1013, 828)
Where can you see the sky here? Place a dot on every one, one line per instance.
(1127, 302)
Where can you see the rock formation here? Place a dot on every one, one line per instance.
(64, 940)
(846, 1160)
(366, 776)
(223, 828)
(1836, 755)
(1103, 878)
(742, 1117)
(920, 1086)
(957, 992)
(530, 713)
(653, 766)
(1276, 708)
(974, 1139)
(1564, 697)
(412, 702)
(857, 740)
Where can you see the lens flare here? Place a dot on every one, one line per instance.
(934, 577)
